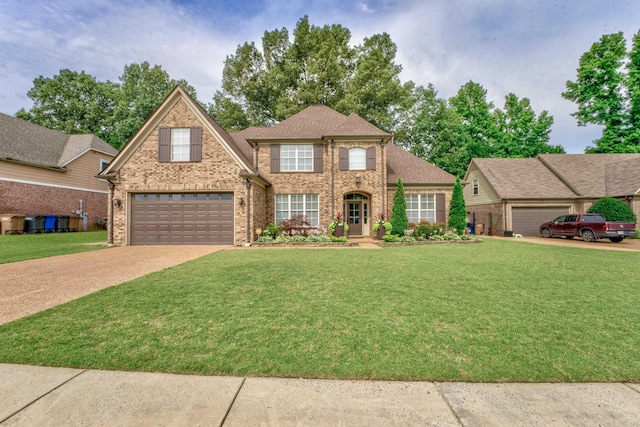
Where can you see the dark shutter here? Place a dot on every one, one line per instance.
(371, 158)
(317, 157)
(343, 161)
(164, 145)
(195, 154)
(275, 158)
(440, 208)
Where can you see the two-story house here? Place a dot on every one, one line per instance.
(182, 179)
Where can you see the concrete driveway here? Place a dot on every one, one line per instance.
(28, 287)
(632, 245)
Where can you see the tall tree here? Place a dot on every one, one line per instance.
(520, 132)
(599, 92)
(633, 87)
(71, 102)
(262, 86)
(142, 88)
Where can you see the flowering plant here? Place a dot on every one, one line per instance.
(382, 222)
(338, 221)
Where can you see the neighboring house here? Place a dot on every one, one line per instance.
(517, 195)
(182, 179)
(43, 171)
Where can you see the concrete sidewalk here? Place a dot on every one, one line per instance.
(32, 395)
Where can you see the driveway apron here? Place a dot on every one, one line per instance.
(28, 287)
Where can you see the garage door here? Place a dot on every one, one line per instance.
(182, 219)
(526, 221)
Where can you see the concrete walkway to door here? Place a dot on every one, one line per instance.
(28, 287)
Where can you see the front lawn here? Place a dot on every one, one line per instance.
(21, 247)
(491, 312)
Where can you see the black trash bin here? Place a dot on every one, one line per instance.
(50, 223)
(63, 223)
(34, 223)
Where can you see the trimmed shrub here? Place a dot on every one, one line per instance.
(399, 220)
(457, 210)
(613, 210)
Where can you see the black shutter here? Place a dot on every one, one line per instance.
(440, 208)
(164, 145)
(343, 161)
(195, 154)
(275, 158)
(317, 157)
(371, 158)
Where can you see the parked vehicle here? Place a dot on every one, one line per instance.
(588, 226)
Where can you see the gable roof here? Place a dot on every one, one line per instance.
(320, 122)
(412, 169)
(559, 176)
(238, 149)
(28, 143)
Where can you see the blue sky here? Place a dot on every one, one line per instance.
(527, 47)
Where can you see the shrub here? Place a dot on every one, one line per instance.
(613, 210)
(399, 220)
(457, 209)
(271, 231)
(425, 230)
(391, 238)
(339, 239)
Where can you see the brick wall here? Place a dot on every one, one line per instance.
(19, 198)
(142, 173)
(486, 215)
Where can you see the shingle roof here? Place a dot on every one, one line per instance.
(522, 179)
(36, 145)
(413, 169)
(586, 173)
(558, 176)
(318, 122)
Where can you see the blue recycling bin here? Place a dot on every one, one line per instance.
(471, 228)
(50, 223)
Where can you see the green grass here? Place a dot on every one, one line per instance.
(491, 312)
(21, 247)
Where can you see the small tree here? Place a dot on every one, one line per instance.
(399, 220)
(457, 209)
(613, 210)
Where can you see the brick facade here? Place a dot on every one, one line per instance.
(19, 198)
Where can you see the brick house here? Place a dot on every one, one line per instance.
(182, 179)
(43, 171)
(517, 195)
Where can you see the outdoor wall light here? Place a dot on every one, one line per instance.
(241, 201)
(117, 203)
(358, 181)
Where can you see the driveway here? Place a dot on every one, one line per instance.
(28, 287)
(632, 245)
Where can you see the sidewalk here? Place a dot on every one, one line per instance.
(32, 395)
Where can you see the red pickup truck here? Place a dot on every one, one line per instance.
(588, 226)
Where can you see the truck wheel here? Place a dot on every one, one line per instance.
(546, 233)
(588, 236)
(616, 239)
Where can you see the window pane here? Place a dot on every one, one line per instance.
(357, 158)
(180, 140)
(296, 157)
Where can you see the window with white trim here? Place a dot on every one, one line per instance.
(180, 144)
(421, 207)
(288, 205)
(296, 158)
(357, 159)
(476, 187)
(103, 164)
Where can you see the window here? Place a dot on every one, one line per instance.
(288, 205)
(180, 143)
(421, 207)
(103, 164)
(476, 187)
(357, 159)
(296, 158)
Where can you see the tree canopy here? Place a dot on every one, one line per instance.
(74, 103)
(607, 93)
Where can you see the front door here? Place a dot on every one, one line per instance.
(354, 217)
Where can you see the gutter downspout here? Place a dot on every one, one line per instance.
(383, 170)
(248, 184)
(333, 196)
(111, 188)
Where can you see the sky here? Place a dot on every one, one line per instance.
(527, 47)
